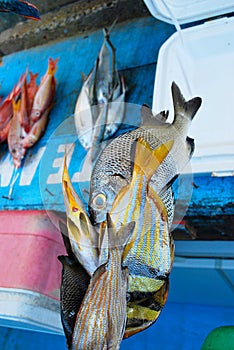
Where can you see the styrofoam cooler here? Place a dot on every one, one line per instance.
(30, 271)
(200, 60)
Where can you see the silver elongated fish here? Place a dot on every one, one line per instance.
(101, 319)
(99, 108)
(113, 169)
(150, 253)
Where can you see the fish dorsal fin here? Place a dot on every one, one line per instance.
(118, 239)
(148, 160)
(187, 109)
(148, 119)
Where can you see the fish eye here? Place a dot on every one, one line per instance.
(99, 201)
(37, 114)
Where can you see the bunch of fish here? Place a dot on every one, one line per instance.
(126, 232)
(23, 8)
(24, 113)
(99, 108)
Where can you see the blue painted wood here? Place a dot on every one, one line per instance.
(137, 43)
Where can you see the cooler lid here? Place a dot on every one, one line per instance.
(185, 11)
(200, 60)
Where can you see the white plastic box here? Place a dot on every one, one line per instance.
(200, 59)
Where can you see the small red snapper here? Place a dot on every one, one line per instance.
(15, 136)
(45, 93)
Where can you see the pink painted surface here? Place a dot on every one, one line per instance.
(29, 246)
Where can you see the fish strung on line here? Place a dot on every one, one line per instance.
(113, 169)
(74, 284)
(23, 8)
(100, 106)
(84, 239)
(150, 253)
(45, 92)
(101, 319)
(6, 109)
(15, 136)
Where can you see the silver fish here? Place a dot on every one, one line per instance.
(100, 109)
(150, 252)
(113, 169)
(101, 319)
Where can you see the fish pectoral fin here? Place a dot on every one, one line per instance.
(158, 203)
(148, 119)
(188, 108)
(148, 160)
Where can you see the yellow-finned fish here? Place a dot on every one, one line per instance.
(45, 92)
(15, 136)
(84, 238)
(101, 319)
(149, 254)
(113, 168)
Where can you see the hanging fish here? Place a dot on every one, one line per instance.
(84, 238)
(113, 169)
(45, 93)
(4, 132)
(24, 106)
(101, 319)
(15, 136)
(23, 8)
(6, 109)
(37, 130)
(149, 255)
(32, 88)
(74, 284)
(100, 109)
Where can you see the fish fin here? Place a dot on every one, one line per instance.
(187, 108)
(158, 203)
(191, 145)
(121, 237)
(148, 119)
(148, 160)
(83, 77)
(108, 31)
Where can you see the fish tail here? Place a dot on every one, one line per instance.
(108, 31)
(186, 108)
(148, 160)
(33, 77)
(52, 66)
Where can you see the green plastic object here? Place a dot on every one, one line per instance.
(221, 338)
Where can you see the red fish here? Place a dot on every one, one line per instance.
(32, 88)
(15, 136)
(6, 110)
(24, 106)
(4, 132)
(36, 130)
(45, 92)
